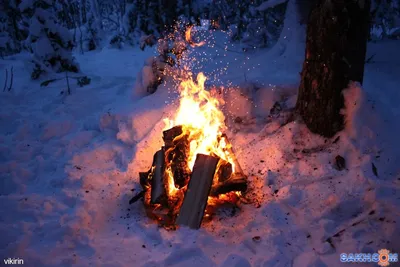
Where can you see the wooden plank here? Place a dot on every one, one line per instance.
(195, 201)
(157, 180)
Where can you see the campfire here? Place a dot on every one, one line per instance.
(196, 170)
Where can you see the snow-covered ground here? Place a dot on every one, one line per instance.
(68, 164)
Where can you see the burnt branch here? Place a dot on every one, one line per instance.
(140, 195)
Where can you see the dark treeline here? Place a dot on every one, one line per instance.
(51, 29)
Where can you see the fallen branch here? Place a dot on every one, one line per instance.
(47, 82)
(12, 79)
(369, 60)
(69, 89)
(82, 80)
(137, 197)
(5, 84)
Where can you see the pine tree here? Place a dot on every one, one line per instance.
(50, 43)
(385, 19)
(337, 34)
(11, 33)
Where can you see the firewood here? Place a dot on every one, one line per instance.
(170, 134)
(177, 151)
(180, 168)
(5, 84)
(195, 201)
(237, 182)
(230, 151)
(144, 179)
(157, 179)
(224, 171)
(137, 197)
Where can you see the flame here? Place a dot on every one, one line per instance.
(200, 116)
(188, 38)
(202, 121)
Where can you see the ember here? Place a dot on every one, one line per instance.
(196, 170)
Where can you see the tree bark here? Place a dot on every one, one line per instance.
(336, 45)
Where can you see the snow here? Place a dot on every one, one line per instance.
(68, 164)
(270, 4)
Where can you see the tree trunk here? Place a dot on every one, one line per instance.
(336, 45)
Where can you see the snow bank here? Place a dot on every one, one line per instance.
(237, 104)
(354, 99)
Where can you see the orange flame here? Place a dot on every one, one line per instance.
(200, 116)
(188, 38)
(202, 123)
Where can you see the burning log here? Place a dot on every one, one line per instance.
(145, 183)
(195, 201)
(144, 179)
(230, 152)
(229, 181)
(224, 170)
(237, 182)
(157, 178)
(177, 152)
(173, 194)
(170, 134)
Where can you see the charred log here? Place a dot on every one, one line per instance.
(177, 145)
(224, 171)
(144, 179)
(195, 201)
(170, 134)
(137, 197)
(157, 179)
